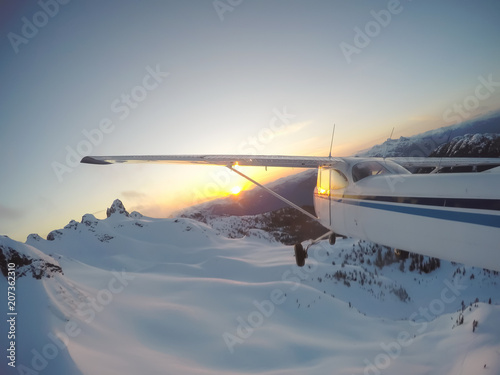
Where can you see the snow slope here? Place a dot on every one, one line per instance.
(136, 295)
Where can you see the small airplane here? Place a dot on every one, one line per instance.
(453, 216)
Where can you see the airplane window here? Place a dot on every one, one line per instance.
(338, 180)
(399, 169)
(330, 179)
(323, 185)
(366, 169)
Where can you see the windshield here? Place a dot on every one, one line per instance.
(374, 168)
(368, 168)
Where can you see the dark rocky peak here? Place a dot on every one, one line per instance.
(28, 261)
(90, 220)
(55, 234)
(72, 225)
(117, 208)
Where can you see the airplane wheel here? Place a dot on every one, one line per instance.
(332, 238)
(300, 255)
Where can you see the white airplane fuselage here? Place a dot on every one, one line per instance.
(453, 216)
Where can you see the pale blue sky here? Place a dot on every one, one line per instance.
(268, 69)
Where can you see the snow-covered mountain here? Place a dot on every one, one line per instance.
(131, 294)
(422, 145)
(470, 145)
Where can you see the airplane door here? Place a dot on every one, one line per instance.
(337, 184)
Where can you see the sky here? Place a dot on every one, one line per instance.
(225, 76)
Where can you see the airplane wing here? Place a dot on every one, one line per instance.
(282, 161)
(420, 162)
(243, 160)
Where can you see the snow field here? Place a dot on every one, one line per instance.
(172, 296)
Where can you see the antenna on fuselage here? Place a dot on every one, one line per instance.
(331, 143)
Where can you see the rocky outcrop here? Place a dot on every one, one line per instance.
(28, 261)
(117, 208)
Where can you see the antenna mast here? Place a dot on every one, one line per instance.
(331, 143)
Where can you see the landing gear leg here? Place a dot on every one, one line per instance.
(300, 254)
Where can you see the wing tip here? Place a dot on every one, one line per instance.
(91, 160)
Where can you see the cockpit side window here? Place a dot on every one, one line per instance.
(330, 179)
(323, 185)
(367, 168)
(338, 180)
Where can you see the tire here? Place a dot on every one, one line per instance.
(300, 255)
(332, 239)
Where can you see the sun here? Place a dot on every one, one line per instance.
(235, 190)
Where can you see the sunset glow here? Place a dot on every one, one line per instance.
(236, 190)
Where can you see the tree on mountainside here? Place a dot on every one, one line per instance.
(379, 262)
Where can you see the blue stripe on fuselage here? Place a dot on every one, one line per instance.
(460, 216)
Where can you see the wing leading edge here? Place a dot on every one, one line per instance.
(225, 160)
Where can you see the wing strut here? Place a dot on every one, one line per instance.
(274, 193)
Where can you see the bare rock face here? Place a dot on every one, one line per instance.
(117, 208)
(28, 261)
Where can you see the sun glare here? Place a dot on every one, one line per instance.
(236, 190)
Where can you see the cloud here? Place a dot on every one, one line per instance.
(11, 213)
(133, 194)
